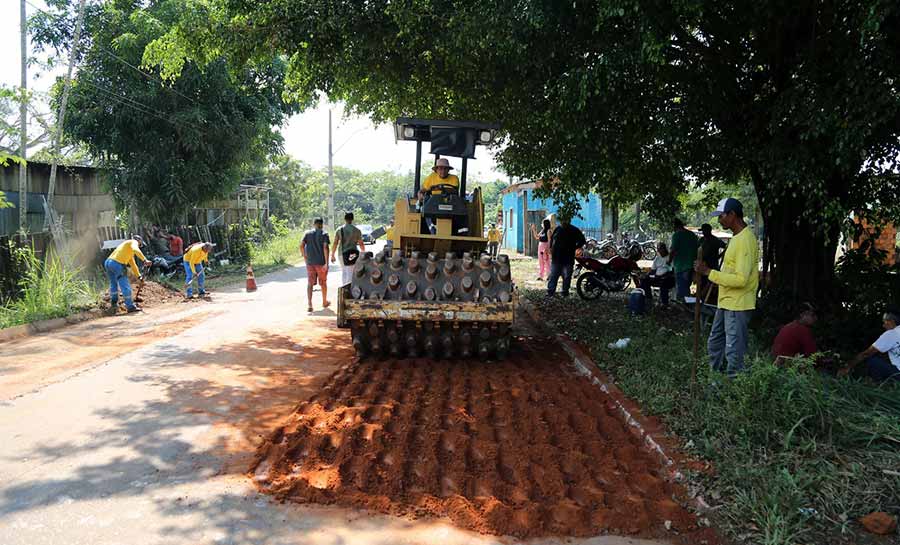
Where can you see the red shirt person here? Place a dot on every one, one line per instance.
(796, 338)
(176, 245)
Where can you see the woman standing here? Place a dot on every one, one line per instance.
(543, 238)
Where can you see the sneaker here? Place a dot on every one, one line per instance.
(135, 309)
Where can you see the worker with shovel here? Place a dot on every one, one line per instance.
(123, 256)
(193, 267)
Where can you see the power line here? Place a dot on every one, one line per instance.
(123, 61)
(139, 106)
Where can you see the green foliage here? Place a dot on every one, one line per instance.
(631, 99)
(48, 290)
(278, 251)
(169, 146)
(798, 455)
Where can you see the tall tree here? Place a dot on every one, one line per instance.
(630, 98)
(170, 145)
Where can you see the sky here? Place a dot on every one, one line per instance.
(358, 143)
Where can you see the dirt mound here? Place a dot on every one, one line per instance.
(151, 295)
(517, 447)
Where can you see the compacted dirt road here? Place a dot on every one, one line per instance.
(188, 424)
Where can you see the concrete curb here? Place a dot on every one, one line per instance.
(43, 326)
(584, 365)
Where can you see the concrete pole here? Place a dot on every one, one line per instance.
(61, 118)
(23, 123)
(330, 180)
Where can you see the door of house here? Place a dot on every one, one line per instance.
(533, 217)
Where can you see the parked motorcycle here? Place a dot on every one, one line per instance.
(167, 267)
(604, 276)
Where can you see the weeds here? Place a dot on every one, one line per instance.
(48, 290)
(798, 455)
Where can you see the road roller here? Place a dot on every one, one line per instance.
(437, 293)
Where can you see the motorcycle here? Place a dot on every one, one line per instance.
(167, 267)
(604, 276)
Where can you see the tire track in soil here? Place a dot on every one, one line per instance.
(518, 447)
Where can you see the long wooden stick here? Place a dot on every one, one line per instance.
(697, 306)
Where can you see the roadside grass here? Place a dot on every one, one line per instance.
(272, 255)
(49, 290)
(797, 456)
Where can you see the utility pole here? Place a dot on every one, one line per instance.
(23, 123)
(61, 118)
(330, 179)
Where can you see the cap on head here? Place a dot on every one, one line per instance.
(139, 239)
(441, 163)
(893, 315)
(727, 205)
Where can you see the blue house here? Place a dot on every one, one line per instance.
(521, 210)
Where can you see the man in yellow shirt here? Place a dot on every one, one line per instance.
(493, 236)
(440, 175)
(738, 281)
(194, 258)
(123, 256)
(389, 238)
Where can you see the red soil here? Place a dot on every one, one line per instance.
(520, 447)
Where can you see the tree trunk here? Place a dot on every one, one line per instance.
(798, 257)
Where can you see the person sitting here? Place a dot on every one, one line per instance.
(440, 176)
(883, 357)
(661, 276)
(796, 338)
(436, 183)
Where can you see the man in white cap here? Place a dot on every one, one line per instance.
(738, 281)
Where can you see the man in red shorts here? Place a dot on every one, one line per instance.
(314, 248)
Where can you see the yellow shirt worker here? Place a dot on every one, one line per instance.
(122, 257)
(440, 176)
(493, 236)
(738, 281)
(194, 258)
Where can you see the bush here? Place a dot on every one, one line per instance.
(48, 290)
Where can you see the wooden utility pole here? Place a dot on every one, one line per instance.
(23, 123)
(61, 118)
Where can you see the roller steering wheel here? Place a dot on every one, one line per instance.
(445, 188)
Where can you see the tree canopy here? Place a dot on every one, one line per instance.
(634, 99)
(170, 145)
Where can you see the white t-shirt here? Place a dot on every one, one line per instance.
(890, 342)
(660, 266)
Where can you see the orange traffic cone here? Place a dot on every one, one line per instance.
(251, 281)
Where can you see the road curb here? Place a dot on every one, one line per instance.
(44, 326)
(584, 365)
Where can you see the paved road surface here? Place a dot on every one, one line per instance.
(138, 429)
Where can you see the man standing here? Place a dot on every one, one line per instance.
(710, 247)
(347, 238)
(682, 254)
(566, 239)
(493, 236)
(176, 245)
(123, 256)
(194, 258)
(738, 281)
(883, 357)
(389, 238)
(314, 248)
